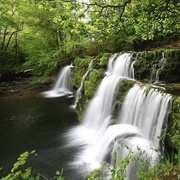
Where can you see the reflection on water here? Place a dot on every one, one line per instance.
(36, 123)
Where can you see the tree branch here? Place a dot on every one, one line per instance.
(106, 5)
(5, 50)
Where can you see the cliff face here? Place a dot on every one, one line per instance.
(149, 62)
(160, 68)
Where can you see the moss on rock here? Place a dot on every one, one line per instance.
(92, 82)
(173, 130)
(147, 65)
(123, 89)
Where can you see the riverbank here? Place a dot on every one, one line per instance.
(22, 88)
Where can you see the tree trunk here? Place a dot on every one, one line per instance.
(5, 50)
(4, 38)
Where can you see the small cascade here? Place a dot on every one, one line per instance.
(122, 67)
(62, 86)
(157, 69)
(110, 63)
(132, 66)
(153, 71)
(138, 125)
(161, 66)
(79, 91)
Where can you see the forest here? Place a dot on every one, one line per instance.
(39, 36)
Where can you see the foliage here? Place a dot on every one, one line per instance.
(98, 174)
(161, 170)
(166, 170)
(19, 171)
(59, 175)
(173, 137)
(176, 110)
(40, 34)
(132, 21)
(92, 81)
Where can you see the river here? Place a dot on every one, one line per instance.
(36, 123)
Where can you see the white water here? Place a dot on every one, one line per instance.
(140, 120)
(146, 110)
(122, 67)
(62, 86)
(79, 91)
(161, 65)
(110, 63)
(157, 69)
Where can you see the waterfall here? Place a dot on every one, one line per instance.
(157, 69)
(161, 66)
(122, 67)
(100, 107)
(146, 110)
(138, 125)
(79, 91)
(110, 63)
(132, 65)
(97, 116)
(63, 84)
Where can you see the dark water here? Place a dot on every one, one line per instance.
(37, 124)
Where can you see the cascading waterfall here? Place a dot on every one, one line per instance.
(79, 91)
(100, 107)
(63, 85)
(146, 110)
(138, 125)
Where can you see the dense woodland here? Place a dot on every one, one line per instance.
(39, 36)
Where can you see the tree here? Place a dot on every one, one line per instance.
(10, 26)
(128, 21)
(45, 32)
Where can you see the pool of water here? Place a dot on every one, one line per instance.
(37, 123)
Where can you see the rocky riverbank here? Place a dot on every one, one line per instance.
(22, 88)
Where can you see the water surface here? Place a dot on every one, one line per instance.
(37, 123)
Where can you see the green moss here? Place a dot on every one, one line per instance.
(172, 88)
(175, 114)
(91, 83)
(149, 55)
(104, 60)
(147, 59)
(173, 132)
(124, 87)
(76, 74)
(81, 107)
(82, 62)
